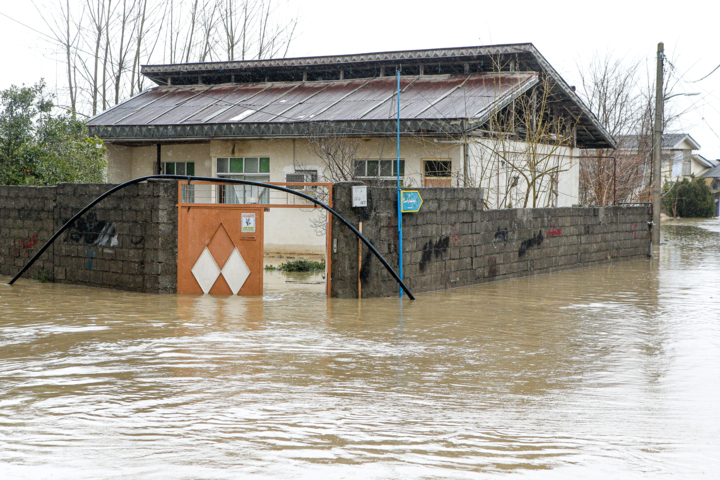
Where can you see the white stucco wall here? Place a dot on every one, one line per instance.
(291, 230)
(495, 173)
(286, 230)
(697, 168)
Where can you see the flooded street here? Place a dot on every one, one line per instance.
(606, 372)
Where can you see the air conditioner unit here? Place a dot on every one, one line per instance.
(302, 176)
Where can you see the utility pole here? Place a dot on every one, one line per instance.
(657, 146)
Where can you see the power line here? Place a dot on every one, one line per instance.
(706, 76)
(33, 29)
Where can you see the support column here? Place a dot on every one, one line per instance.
(657, 146)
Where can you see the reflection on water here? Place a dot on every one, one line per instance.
(605, 372)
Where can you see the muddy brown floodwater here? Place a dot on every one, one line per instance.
(606, 372)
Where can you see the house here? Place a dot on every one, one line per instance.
(678, 159)
(712, 178)
(677, 150)
(463, 119)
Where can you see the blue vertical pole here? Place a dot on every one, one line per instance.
(399, 195)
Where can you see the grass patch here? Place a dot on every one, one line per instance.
(298, 266)
(42, 276)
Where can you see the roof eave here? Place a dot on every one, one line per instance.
(334, 60)
(606, 140)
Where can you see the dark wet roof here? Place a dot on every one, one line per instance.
(427, 102)
(324, 87)
(478, 55)
(713, 172)
(670, 140)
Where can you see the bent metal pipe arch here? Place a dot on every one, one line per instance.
(211, 179)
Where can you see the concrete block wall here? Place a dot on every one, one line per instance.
(26, 222)
(452, 242)
(128, 241)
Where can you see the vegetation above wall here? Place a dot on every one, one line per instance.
(41, 147)
(689, 199)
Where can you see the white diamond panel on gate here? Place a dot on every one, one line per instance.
(235, 271)
(206, 271)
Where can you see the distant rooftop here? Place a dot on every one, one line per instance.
(670, 141)
(713, 172)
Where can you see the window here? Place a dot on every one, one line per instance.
(178, 168)
(438, 168)
(437, 173)
(256, 169)
(378, 168)
(182, 168)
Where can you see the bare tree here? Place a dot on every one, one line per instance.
(623, 101)
(97, 13)
(521, 154)
(336, 151)
(62, 25)
(104, 42)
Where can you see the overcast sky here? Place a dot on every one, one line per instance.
(566, 33)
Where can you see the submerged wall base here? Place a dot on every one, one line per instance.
(128, 241)
(452, 242)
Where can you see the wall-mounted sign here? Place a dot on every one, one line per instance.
(411, 201)
(248, 222)
(359, 196)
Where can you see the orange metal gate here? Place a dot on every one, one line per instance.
(220, 245)
(220, 249)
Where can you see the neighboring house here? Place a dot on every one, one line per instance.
(700, 165)
(712, 177)
(255, 119)
(678, 159)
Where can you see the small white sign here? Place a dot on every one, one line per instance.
(248, 223)
(359, 196)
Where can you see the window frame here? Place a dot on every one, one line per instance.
(425, 162)
(175, 164)
(380, 161)
(241, 193)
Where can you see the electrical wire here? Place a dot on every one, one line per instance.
(706, 76)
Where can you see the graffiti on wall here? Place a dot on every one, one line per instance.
(492, 267)
(501, 236)
(433, 248)
(90, 257)
(455, 237)
(554, 232)
(92, 231)
(534, 241)
(23, 247)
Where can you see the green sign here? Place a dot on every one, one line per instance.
(411, 201)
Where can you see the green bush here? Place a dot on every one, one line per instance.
(39, 146)
(689, 199)
(301, 266)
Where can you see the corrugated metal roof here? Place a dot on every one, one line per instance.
(470, 60)
(438, 97)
